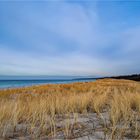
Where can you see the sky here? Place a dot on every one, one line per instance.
(63, 37)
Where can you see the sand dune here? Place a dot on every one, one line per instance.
(104, 109)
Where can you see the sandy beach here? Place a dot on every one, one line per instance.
(104, 109)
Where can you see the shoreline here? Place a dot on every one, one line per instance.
(134, 77)
(41, 84)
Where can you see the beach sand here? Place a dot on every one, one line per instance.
(104, 109)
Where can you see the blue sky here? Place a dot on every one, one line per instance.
(69, 37)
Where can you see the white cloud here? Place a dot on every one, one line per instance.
(76, 64)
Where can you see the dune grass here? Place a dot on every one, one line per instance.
(34, 110)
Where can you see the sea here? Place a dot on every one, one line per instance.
(15, 82)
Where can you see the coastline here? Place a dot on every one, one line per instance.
(36, 82)
(44, 82)
(101, 109)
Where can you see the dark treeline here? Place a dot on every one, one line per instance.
(135, 77)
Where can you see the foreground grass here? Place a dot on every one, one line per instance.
(36, 111)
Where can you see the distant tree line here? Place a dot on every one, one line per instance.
(135, 77)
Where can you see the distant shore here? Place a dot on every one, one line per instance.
(134, 77)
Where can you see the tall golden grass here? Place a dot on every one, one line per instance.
(33, 110)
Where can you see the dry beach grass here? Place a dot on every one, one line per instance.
(104, 109)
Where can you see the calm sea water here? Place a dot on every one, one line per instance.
(23, 83)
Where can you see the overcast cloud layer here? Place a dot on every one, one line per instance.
(69, 38)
